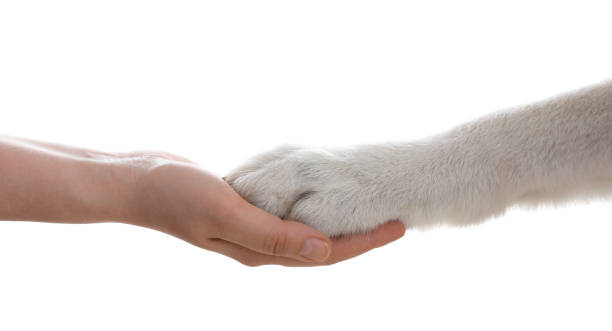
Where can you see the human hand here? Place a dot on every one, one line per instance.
(175, 196)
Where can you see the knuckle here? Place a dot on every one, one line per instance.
(277, 243)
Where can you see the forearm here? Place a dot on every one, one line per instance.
(560, 144)
(46, 182)
(549, 151)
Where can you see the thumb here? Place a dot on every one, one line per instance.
(265, 233)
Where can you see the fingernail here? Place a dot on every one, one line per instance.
(315, 250)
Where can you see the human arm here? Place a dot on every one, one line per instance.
(54, 183)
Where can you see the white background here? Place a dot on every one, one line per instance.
(219, 81)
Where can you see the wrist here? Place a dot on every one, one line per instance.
(138, 178)
(111, 188)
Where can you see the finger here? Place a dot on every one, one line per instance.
(251, 258)
(262, 232)
(344, 248)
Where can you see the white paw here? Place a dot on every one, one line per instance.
(332, 191)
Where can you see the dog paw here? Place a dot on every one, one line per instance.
(335, 192)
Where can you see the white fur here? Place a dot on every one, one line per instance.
(547, 152)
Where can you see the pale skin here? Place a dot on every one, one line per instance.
(53, 183)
